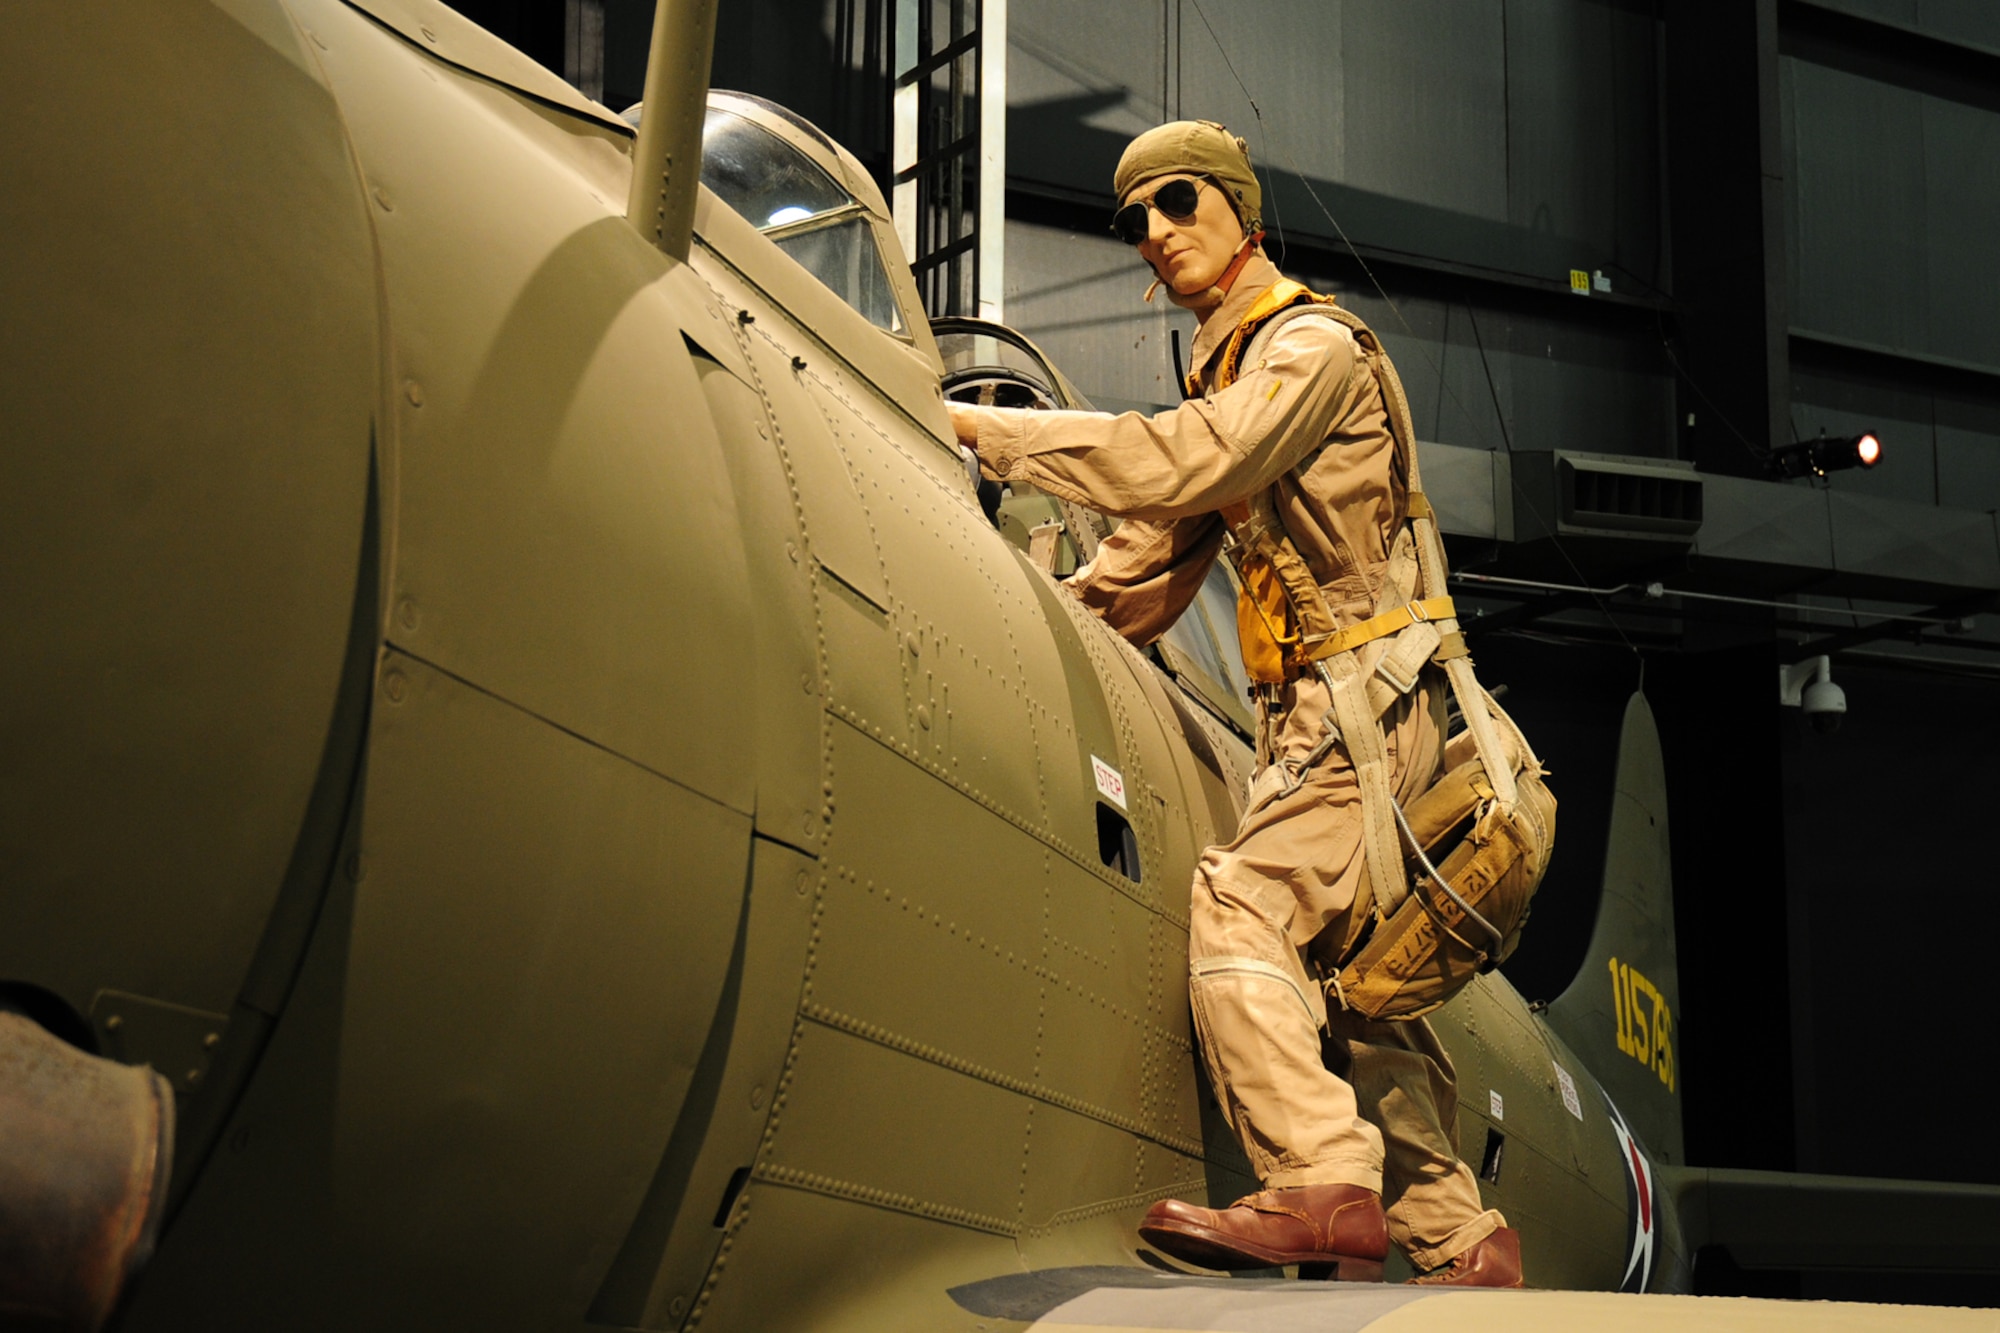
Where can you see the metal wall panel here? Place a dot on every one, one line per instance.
(1760, 524)
(1862, 206)
(1968, 451)
(1894, 203)
(1426, 101)
(1291, 56)
(1974, 22)
(1519, 136)
(1560, 384)
(1939, 446)
(1971, 22)
(1583, 128)
(1079, 297)
(1902, 12)
(1559, 115)
(1961, 155)
(1968, 467)
(1101, 63)
(1876, 539)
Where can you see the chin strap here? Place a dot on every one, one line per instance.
(1243, 252)
(1213, 296)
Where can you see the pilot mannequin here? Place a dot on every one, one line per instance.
(1329, 1106)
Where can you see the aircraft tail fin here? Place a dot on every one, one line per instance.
(1618, 1013)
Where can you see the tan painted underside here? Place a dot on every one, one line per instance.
(1351, 1310)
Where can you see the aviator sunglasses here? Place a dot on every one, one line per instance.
(1176, 201)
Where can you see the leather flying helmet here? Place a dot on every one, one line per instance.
(1198, 148)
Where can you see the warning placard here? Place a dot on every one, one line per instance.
(1110, 781)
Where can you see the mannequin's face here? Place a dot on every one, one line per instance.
(1189, 256)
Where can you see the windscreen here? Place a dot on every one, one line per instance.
(765, 179)
(779, 189)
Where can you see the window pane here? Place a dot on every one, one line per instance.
(843, 256)
(1206, 632)
(760, 176)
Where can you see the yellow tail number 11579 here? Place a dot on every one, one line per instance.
(1645, 1024)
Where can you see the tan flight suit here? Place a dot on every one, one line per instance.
(1290, 875)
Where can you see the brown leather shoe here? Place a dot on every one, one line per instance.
(1333, 1231)
(1493, 1262)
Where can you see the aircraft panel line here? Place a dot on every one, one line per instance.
(793, 1178)
(856, 1027)
(1084, 1212)
(391, 646)
(1070, 854)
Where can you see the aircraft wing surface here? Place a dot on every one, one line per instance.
(1099, 1299)
(1783, 1219)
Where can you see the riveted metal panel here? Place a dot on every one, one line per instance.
(443, 30)
(903, 922)
(673, 1239)
(565, 530)
(869, 1264)
(1099, 944)
(852, 1090)
(786, 617)
(1070, 710)
(1072, 1160)
(189, 376)
(840, 530)
(541, 930)
(966, 685)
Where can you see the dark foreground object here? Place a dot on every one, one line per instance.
(85, 1152)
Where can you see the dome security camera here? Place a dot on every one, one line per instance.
(1825, 704)
(1808, 686)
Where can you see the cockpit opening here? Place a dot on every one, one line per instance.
(993, 365)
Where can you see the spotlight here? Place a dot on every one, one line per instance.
(1817, 457)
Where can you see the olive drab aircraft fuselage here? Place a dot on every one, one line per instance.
(539, 744)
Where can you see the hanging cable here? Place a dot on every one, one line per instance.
(1491, 388)
(1263, 134)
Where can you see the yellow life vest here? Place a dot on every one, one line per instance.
(1266, 625)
